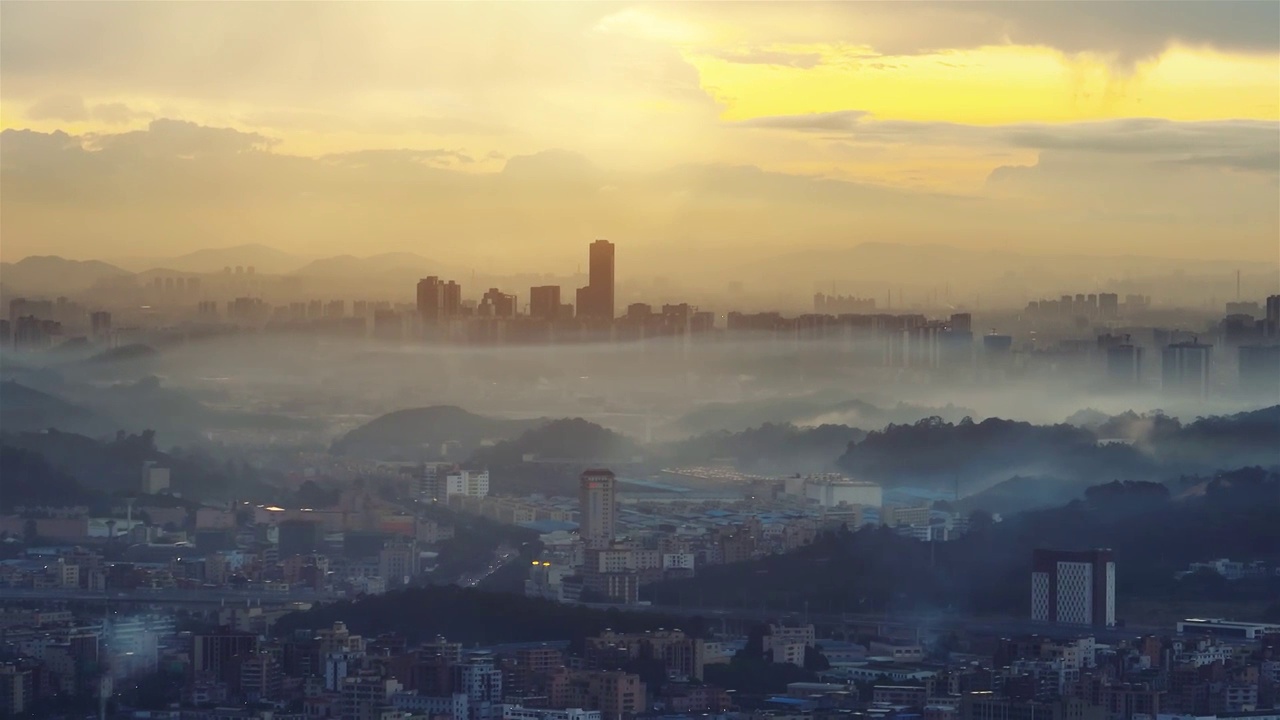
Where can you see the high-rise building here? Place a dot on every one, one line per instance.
(601, 278)
(1108, 304)
(1185, 368)
(1124, 365)
(498, 304)
(595, 301)
(544, 302)
(430, 295)
(218, 655)
(597, 497)
(1073, 587)
(1273, 316)
(480, 679)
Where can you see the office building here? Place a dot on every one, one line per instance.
(597, 508)
(438, 300)
(480, 679)
(497, 304)
(1185, 368)
(219, 655)
(544, 302)
(596, 300)
(1073, 588)
(430, 298)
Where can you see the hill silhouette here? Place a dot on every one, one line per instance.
(48, 275)
(1152, 533)
(936, 454)
(25, 409)
(417, 434)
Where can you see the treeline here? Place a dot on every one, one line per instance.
(938, 454)
(1152, 533)
(88, 471)
(772, 448)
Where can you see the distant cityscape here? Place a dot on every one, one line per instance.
(1095, 338)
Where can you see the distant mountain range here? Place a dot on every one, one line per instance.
(41, 274)
(50, 275)
(875, 267)
(261, 258)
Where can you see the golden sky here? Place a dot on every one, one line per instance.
(516, 130)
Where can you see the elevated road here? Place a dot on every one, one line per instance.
(891, 625)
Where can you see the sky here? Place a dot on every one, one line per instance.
(513, 133)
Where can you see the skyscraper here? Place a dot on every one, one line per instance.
(595, 301)
(544, 302)
(601, 278)
(1073, 588)
(430, 291)
(1185, 368)
(597, 508)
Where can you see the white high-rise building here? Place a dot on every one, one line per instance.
(464, 482)
(598, 508)
(1073, 588)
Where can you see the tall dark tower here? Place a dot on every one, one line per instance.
(601, 280)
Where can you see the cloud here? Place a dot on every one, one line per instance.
(388, 124)
(142, 191)
(118, 113)
(381, 158)
(840, 120)
(70, 108)
(770, 57)
(181, 139)
(1237, 144)
(1125, 31)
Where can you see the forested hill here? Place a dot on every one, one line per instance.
(1153, 532)
(977, 455)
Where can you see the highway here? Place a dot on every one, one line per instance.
(931, 623)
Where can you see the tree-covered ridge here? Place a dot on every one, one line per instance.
(1152, 532)
(975, 455)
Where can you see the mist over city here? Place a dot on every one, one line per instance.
(640, 361)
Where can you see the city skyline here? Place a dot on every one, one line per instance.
(1132, 129)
